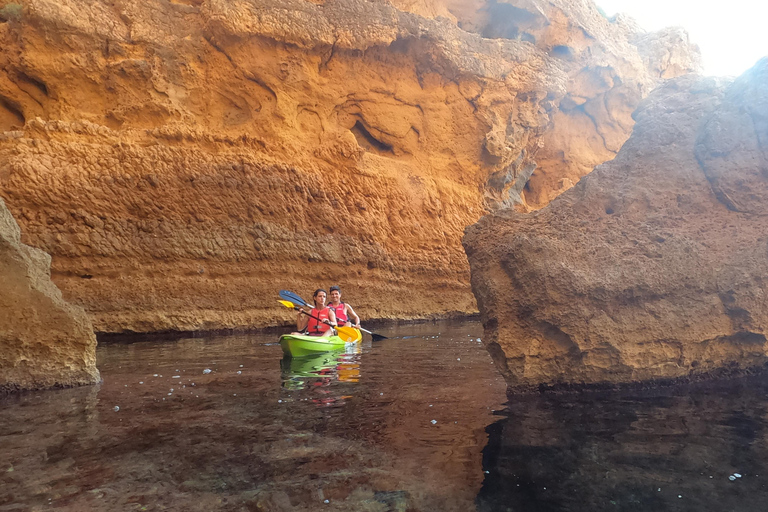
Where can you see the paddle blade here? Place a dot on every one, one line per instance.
(349, 334)
(292, 297)
(287, 304)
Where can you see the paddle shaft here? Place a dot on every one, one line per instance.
(376, 337)
(312, 316)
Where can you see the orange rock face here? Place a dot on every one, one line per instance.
(610, 66)
(183, 161)
(652, 267)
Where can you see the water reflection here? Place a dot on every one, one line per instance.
(341, 366)
(320, 373)
(675, 449)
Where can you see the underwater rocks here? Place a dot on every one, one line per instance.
(652, 267)
(44, 341)
(183, 161)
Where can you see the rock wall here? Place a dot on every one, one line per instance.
(183, 161)
(652, 267)
(44, 342)
(610, 64)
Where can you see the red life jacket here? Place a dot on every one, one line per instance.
(341, 315)
(315, 327)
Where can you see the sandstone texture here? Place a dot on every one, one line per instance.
(44, 341)
(183, 161)
(654, 265)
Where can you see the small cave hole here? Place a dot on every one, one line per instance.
(509, 22)
(39, 84)
(609, 211)
(368, 141)
(14, 118)
(86, 276)
(562, 51)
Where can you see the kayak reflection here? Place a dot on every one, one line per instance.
(321, 369)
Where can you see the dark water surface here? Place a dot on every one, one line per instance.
(257, 432)
(414, 423)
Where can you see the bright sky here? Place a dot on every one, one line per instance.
(731, 35)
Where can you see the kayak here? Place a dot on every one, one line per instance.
(298, 345)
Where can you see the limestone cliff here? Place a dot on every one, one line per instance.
(611, 65)
(651, 267)
(44, 341)
(182, 161)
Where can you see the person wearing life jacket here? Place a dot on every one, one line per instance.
(343, 311)
(324, 319)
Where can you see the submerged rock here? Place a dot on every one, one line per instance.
(44, 341)
(654, 266)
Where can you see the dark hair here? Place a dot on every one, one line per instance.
(335, 288)
(318, 291)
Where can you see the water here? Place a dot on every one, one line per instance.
(398, 426)
(689, 448)
(356, 430)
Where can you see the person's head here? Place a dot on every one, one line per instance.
(319, 297)
(335, 293)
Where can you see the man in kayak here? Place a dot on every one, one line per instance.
(343, 311)
(324, 317)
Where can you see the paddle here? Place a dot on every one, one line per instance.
(348, 334)
(296, 300)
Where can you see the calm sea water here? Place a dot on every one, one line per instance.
(398, 426)
(419, 422)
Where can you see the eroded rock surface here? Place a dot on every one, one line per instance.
(183, 161)
(44, 341)
(611, 65)
(652, 267)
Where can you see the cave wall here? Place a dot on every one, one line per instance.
(183, 161)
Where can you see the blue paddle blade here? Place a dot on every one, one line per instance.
(293, 298)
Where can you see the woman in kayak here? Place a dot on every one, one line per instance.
(343, 311)
(324, 317)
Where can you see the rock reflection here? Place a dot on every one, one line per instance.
(671, 449)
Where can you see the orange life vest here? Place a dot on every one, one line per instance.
(316, 327)
(341, 315)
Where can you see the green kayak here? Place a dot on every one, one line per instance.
(299, 345)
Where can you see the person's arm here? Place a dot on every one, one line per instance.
(331, 318)
(351, 314)
(301, 321)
